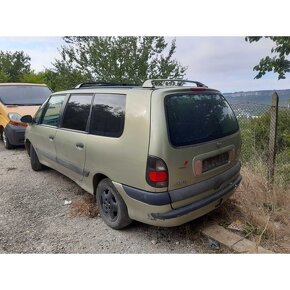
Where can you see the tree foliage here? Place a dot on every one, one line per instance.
(63, 77)
(13, 66)
(117, 59)
(279, 63)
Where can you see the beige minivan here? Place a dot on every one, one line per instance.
(163, 153)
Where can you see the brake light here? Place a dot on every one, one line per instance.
(200, 89)
(158, 176)
(156, 172)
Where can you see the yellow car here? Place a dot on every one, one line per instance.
(16, 100)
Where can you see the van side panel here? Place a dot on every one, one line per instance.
(122, 159)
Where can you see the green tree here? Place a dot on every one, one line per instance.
(3, 77)
(33, 77)
(118, 59)
(279, 62)
(13, 66)
(63, 76)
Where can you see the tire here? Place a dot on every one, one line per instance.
(27, 147)
(6, 141)
(112, 208)
(35, 164)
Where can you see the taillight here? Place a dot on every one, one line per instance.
(156, 172)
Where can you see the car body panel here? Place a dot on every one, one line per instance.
(71, 149)
(128, 153)
(42, 139)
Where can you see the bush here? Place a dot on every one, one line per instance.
(255, 140)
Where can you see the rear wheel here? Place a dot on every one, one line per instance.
(6, 141)
(112, 208)
(35, 164)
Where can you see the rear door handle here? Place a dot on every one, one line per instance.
(51, 138)
(80, 145)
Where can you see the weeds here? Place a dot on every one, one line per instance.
(84, 206)
(263, 211)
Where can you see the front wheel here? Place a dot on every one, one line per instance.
(35, 164)
(6, 141)
(112, 208)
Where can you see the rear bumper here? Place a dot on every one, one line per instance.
(216, 198)
(156, 208)
(15, 134)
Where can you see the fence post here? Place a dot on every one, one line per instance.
(272, 137)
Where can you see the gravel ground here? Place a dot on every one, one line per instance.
(34, 219)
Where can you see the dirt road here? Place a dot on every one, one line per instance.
(34, 219)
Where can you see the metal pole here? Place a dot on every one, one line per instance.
(272, 137)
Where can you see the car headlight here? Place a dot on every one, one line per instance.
(14, 117)
(15, 120)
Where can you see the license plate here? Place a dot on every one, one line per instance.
(215, 161)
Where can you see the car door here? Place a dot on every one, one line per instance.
(70, 139)
(45, 128)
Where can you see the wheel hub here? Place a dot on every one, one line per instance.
(109, 204)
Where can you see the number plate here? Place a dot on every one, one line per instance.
(215, 161)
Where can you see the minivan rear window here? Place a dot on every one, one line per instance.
(197, 118)
(23, 94)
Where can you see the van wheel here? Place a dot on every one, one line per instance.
(112, 208)
(35, 164)
(6, 142)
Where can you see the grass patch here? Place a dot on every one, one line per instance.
(263, 211)
(84, 206)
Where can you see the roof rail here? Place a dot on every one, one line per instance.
(170, 82)
(104, 84)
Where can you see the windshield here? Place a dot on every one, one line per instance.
(197, 118)
(23, 95)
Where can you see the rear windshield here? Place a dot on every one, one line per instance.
(197, 118)
(23, 95)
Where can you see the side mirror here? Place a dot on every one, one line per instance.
(26, 119)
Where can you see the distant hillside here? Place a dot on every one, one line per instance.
(258, 97)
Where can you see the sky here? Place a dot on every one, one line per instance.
(223, 63)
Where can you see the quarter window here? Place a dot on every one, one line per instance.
(108, 115)
(77, 112)
(51, 115)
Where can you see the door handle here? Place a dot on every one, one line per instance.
(51, 138)
(80, 145)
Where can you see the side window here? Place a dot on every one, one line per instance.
(51, 115)
(77, 112)
(38, 114)
(108, 115)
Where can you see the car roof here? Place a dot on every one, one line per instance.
(22, 84)
(152, 84)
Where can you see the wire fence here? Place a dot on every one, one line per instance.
(254, 120)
